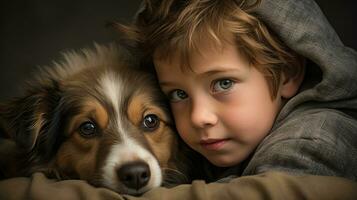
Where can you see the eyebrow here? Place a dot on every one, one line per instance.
(165, 83)
(207, 73)
(216, 71)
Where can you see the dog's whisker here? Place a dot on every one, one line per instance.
(172, 170)
(173, 177)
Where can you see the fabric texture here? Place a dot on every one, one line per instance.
(271, 185)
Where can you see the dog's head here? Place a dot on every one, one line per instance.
(94, 117)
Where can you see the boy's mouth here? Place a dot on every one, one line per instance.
(213, 144)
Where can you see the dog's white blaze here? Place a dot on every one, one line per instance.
(112, 88)
(125, 152)
(128, 150)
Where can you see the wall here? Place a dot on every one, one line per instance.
(33, 33)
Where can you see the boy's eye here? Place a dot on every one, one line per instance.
(223, 85)
(177, 95)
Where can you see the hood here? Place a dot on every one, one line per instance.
(304, 28)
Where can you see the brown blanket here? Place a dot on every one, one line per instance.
(272, 185)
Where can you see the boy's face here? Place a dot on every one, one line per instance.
(223, 107)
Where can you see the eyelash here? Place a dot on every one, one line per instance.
(171, 93)
(213, 89)
(214, 83)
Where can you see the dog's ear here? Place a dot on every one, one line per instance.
(24, 119)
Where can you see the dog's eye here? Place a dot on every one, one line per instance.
(88, 129)
(151, 122)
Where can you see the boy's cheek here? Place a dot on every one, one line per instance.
(182, 122)
(179, 110)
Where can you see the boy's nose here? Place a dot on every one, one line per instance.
(202, 114)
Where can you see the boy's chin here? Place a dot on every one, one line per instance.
(223, 161)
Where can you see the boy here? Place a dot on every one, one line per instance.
(237, 92)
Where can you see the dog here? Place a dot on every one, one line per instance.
(92, 116)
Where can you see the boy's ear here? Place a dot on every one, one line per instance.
(291, 84)
(23, 119)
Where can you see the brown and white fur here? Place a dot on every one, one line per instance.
(95, 117)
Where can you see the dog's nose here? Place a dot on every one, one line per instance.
(134, 175)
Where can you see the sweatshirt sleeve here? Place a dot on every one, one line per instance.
(271, 185)
(311, 141)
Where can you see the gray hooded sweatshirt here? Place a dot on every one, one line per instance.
(316, 131)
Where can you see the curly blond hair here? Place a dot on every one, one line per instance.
(176, 28)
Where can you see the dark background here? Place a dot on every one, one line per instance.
(34, 32)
